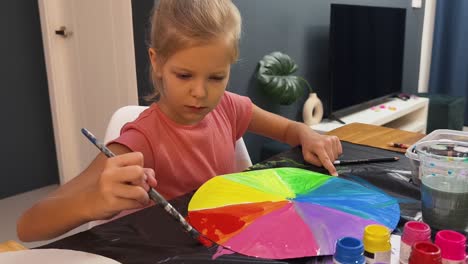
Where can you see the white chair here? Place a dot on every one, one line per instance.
(129, 113)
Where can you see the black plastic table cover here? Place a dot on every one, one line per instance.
(152, 236)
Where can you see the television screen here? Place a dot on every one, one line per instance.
(366, 56)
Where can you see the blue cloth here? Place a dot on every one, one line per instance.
(449, 67)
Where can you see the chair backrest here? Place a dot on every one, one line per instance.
(131, 112)
(122, 116)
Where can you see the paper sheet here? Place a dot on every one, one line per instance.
(395, 240)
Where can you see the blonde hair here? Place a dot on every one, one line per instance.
(179, 24)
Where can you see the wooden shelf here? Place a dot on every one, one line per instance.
(409, 115)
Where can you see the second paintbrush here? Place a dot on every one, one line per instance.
(360, 161)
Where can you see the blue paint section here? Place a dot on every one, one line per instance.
(355, 199)
(373, 187)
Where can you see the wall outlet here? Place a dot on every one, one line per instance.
(416, 3)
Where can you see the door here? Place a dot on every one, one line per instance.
(27, 156)
(91, 72)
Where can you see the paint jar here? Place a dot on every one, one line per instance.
(377, 247)
(444, 189)
(452, 246)
(349, 250)
(413, 231)
(425, 252)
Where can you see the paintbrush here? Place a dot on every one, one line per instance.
(156, 197)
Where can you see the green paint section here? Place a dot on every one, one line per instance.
(301, 181)
(264, 180)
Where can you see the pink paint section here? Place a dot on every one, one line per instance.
(328, 225)
(221, 251)
(279, 235)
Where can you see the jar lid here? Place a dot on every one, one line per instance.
(443, 149)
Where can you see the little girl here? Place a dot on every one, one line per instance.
(187, 136)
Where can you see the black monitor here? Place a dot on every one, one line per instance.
(366, 56)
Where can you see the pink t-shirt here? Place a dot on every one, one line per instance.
(182, 156)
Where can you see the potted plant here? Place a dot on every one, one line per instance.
(275, 77)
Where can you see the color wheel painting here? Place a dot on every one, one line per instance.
(286, 212)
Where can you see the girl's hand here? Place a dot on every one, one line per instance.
(122, 185)
(320, 150)
(317, 149)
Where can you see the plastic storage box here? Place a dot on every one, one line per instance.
(439, 134)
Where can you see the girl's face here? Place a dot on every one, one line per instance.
(194, 80)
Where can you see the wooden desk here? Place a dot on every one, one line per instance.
(375, 136)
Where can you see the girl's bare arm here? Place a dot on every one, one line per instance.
(99, 192)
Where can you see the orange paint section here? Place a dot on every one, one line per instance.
(220, 224)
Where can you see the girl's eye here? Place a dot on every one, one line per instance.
(183, 76)
(217, 78)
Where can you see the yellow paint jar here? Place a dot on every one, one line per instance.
(377, 247)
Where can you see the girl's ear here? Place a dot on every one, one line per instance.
(154, 62)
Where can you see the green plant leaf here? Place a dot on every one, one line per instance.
(275, 78)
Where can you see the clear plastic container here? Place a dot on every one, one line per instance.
(444, 189)
(440, 135)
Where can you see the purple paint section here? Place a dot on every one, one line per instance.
(279, 235)
(328, 225)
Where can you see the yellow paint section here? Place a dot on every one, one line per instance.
(263, 180)
(219, 192)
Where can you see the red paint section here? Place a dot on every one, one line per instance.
(205, 241)
(219, 224)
